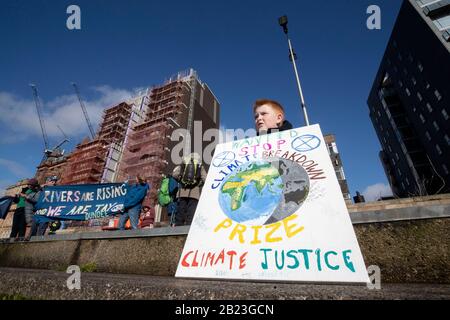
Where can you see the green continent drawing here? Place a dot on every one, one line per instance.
(260, 175)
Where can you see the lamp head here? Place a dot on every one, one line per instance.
(283, 21)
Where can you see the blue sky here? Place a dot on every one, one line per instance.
(237, 48)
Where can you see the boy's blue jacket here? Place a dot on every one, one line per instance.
(135, 194)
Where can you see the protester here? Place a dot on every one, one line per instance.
(25, 209)
(148, 217)
(31, 197)
(167, 196)
(191, 175)
(269, 117)
(38, 227)
(19, 224)
(133, 203)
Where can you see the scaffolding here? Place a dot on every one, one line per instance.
(147, 150)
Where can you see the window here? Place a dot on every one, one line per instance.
(436, 126)
(408, 92)
(427, 134)
(333, 148)
(397, 156)
(419, 96)
(447, 139)
(438, 149)
(438, 95)
(413, 80)
(429, 108)
(445, 169)
(444, 114)
(424, 3)
(422, 118)
(340, 174)
(399, 172)
(420, 67)
(442, 23)
(427, 86)
(400, 83)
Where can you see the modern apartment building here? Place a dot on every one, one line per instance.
(409, 102)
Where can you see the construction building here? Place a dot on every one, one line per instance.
(96, 161)
(52, 167)
(409, 101)
(182, 103)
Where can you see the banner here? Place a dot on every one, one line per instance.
(80, 202)
(272, 209)
(5, 205)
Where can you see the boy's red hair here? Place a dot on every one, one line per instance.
(275, 105)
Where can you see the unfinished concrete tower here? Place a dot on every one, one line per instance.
(180, 103)
(96, 161)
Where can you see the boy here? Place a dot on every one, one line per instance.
(269, 117)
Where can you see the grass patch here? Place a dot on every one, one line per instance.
(88, 267)
(13, 297)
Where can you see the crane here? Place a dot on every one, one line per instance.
(39, 112)
(55, 151)
(83, 107)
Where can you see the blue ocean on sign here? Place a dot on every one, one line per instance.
(252, 193)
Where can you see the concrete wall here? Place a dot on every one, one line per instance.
(415, 250)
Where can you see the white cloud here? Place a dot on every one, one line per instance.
(375, 191)
(20, 120)
(3, 185)
(15, 168)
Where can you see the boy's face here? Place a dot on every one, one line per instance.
(267, 117)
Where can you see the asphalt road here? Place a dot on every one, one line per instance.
(45, 284)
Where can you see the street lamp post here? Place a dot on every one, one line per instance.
(283, 21)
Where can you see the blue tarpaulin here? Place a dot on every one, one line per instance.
(5, 204)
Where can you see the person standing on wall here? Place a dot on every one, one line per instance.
(19, 224)
(38, 228)
(133, 203)
(191, 175)
(31, 197)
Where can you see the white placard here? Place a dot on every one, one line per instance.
(272, 209)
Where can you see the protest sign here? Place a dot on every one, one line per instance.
(272, 209)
